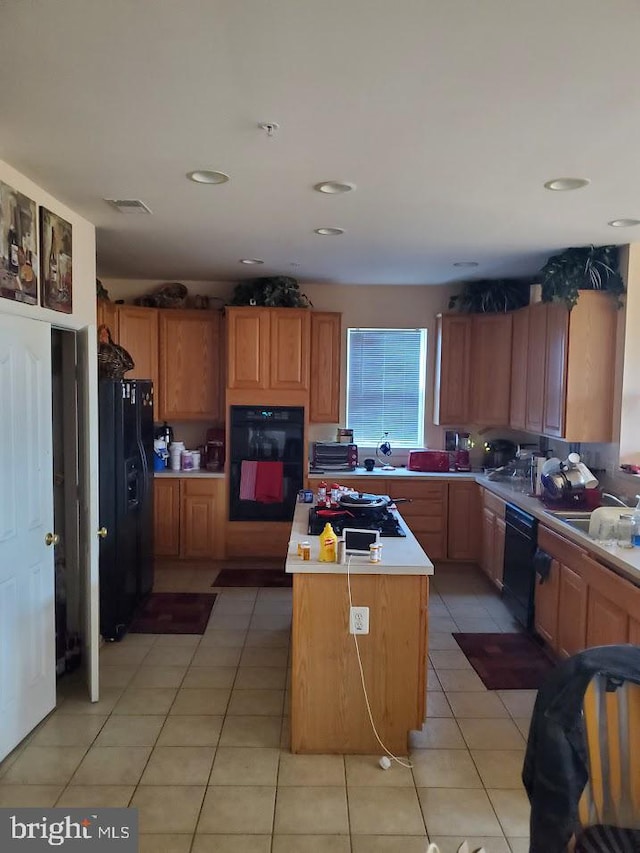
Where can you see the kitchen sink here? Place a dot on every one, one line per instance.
(577, 520)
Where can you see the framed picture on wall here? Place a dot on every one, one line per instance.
(56, 258)
(18, 246)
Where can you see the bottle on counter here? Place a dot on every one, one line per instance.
(322, 493)
(636, 524)
(335, 494)
(328, 545)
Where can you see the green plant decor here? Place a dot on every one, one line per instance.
(491, 296)
(582, 268)
(279, 291)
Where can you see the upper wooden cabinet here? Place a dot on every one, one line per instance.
(453, 369)
(537, 348)
(581, 401)
(190, 375)
(490, 368)
(519, 354)
(324, 386)
(107, 315)
(138, 334)
(268, 348)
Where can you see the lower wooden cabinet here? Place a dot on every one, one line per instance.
(189, 518)
(426, 515)
(493, 537)
(607, 622)
(463, 517)
(572, 611)
(547, 593)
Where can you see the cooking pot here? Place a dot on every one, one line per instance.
(364, 503)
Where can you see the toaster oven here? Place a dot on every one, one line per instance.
(332, 456)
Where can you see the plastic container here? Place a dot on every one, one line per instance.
(322, 493)
(305, 547)
(374, 553)
(186, 460)
(624, 531)
(328, 545)
(195, 456)
(636, 524)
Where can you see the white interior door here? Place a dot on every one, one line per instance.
(87, 354)
(27, 600)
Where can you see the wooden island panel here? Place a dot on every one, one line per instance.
(328, 710)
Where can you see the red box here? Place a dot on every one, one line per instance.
(428, 460)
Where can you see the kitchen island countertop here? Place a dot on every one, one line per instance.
(400, 555)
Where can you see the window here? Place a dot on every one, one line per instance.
(386, 375)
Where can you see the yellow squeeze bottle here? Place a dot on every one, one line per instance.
(328, 543)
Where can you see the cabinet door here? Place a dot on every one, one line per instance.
(166, 515)
(546, 606)
(107, 315)
(535, 367)
(499, 534)
(190, 355)
(572, 612)
(464, 535)
(491, 368)
(324, 384)
(200, 528)
(247, 348)
(289, 361)
(426, 514)
(519, 353)
(453, 364)
(555, 369)
(138, 334)
(488, 542)
(607, 622)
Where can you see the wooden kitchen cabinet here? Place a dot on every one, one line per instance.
(463, 528)
(190, 374)
(613, 601)
(519, 357)
(189, 517)
(268, 348)
(493, 537)
(572, 612)
(107, 315)
(547, 596)
(537, 344)
(324, 384)
(453, 369)
(426, 515)
(490, 382)
(555, 371)
(138, 334)
(166, 513)
(201, 519)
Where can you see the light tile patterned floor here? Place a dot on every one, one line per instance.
(193, 731)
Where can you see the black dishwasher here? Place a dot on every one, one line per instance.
(519, 572)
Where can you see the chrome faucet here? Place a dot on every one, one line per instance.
(616, 500)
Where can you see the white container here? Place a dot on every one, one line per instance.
(186, 460)
(175, 459)
(195, 456)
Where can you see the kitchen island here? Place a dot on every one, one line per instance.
(328, 708)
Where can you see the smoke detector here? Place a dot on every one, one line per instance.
(128, 205)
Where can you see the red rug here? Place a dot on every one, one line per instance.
(506, 661)
(173, 613)
(253, 577)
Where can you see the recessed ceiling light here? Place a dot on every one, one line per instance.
(334, 187)
(251, 261)
(564, 184)
(466, 264)
(329, 232)
(623, 223)
(206, 176)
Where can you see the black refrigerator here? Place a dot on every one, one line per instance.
(126, 500)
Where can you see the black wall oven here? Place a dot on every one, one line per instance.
(266, 462)
(519, 573)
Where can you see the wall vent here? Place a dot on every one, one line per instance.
(128, 205)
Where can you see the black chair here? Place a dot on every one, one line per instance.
(582, 765)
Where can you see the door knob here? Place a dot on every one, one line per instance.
(51, 539)
(102, 532)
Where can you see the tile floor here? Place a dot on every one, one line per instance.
(194, 732)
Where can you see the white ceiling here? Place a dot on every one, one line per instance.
(449, 115)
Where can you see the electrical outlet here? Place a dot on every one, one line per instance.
(359, 620)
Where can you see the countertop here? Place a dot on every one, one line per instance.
(625, 561)
(396, 473)
(190, 475)
(400, 556)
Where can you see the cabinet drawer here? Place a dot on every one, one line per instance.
(427, 490)
(563, 550)
(493, 503)
(419, 508)
(425, 524)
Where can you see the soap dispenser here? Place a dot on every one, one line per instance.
(635, 518)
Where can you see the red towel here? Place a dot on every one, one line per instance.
(248, 471)
(269, 482)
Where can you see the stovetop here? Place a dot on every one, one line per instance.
(381, 519)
